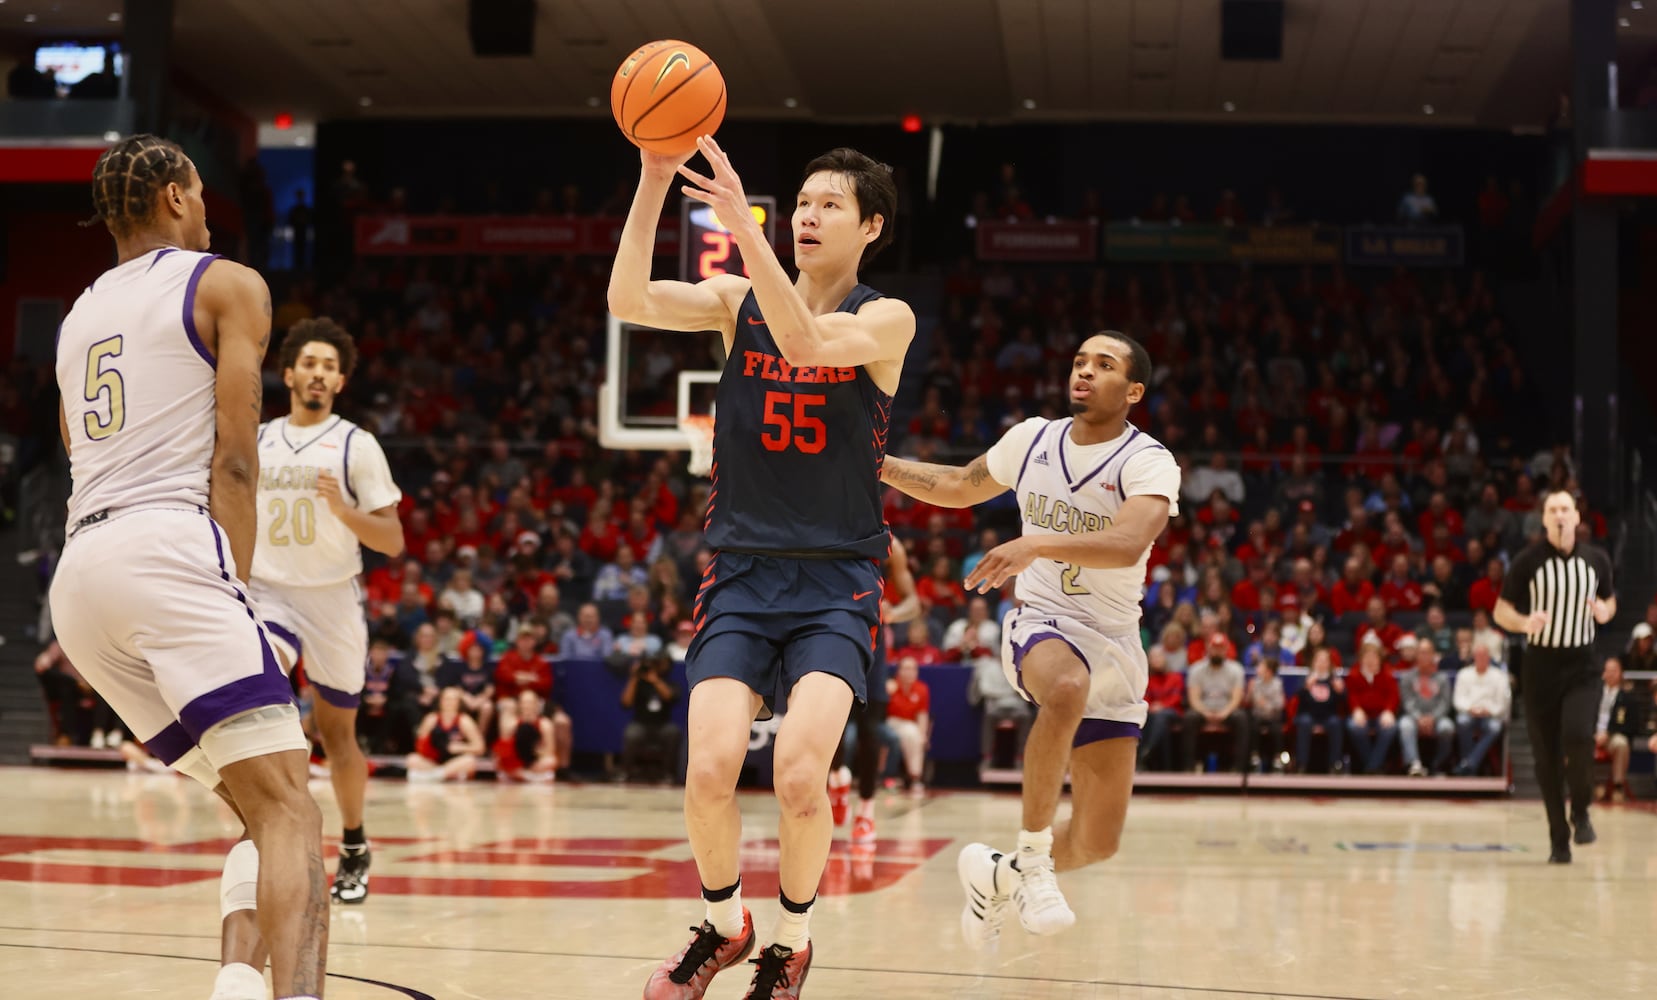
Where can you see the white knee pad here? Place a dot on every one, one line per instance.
(257, 733)
(239, 885)
(195, 765)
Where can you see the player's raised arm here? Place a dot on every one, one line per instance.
(236, 303)
(665, 305)
(878, 332)
(943, 485)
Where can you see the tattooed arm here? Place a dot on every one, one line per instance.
(943, 485)
(237, 303)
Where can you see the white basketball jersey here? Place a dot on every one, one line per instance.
(138, 387)
(301, 543)
(1066, 488)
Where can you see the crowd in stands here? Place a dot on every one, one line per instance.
(1356, 476)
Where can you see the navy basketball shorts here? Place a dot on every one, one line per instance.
(767, 621)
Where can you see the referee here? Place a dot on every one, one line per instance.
(1555, 592)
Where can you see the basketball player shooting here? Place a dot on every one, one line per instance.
(324, 489)
(790, 604)
(158, 364)
(1095, 493)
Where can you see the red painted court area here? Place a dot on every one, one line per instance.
(632, 867)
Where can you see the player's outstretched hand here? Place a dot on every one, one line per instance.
(657, 165)
(1001, 564)
(723, 191)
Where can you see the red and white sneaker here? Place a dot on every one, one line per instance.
(780, 973)
(840, 793)
(686, 975)
(863, 830)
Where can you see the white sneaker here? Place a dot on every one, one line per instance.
(1417, 769)
(97, 741)
(986, 907)
(1041, 907)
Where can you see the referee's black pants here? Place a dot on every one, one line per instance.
(1561, 695)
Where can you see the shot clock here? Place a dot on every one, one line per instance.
(706, 247)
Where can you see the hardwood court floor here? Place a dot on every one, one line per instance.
(109, 889)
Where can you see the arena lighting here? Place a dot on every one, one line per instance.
(912, 123)
(283, 120)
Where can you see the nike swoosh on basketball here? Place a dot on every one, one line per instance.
(676, 59)
(755, 322)
(859, 597)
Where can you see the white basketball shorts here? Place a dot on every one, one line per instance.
(146, 605)
(1115, 664)
(324, 625)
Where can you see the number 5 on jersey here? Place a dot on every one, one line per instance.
(99, 382)
(789, 416)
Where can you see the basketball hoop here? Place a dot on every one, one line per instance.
(698, 427)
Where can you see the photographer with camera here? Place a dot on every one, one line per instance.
(652, 737)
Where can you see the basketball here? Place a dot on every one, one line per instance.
(666, 94)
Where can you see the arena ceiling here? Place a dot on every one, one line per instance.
(1496, 63)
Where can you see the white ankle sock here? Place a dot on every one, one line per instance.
(866, 808)
(237, 981)
(726, 914)
(1035, 845)
(794, 929)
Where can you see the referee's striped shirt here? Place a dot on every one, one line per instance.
(1542, 578)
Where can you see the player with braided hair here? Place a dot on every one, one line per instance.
(158, 366)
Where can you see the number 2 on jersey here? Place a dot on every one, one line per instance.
(99, 382)
(1070, 580)
(804, 431)
(302, 525)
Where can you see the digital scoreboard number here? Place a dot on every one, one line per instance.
(706, 247)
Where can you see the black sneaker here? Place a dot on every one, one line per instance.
(351, 882)
(779, 973)
(1560, 855)
(1584, 831)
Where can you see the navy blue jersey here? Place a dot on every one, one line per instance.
(797, 451)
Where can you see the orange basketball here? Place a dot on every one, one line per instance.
(666, 94)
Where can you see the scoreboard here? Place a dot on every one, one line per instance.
(706, 247)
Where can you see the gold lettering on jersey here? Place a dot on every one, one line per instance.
(288, 477)
(1057, 515)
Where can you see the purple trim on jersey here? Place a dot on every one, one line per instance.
(169, 744)
(1020, 650)
(345, 469)
(1133, 433)
(1124, 468)
(1095, 730)
(336, 697)
(190, 311)
(1064, 463)
(320, 435)
(261, 690)
(164, 251)
(1026, 464)
(288, 636)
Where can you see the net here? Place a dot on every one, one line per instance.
(699, 428)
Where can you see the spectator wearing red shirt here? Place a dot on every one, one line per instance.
(1165, 694)
(1487, 588)
(941, 589)
(1386, 632)
(919, 647)
(1352, 592)
(1399, 591)
(1438, 512)
(1372, 692)
(1245, 596)
(908, 714)
(600, 538)
(1439, 543)
(1524, 499)
(523, 668)
(1356, 530)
